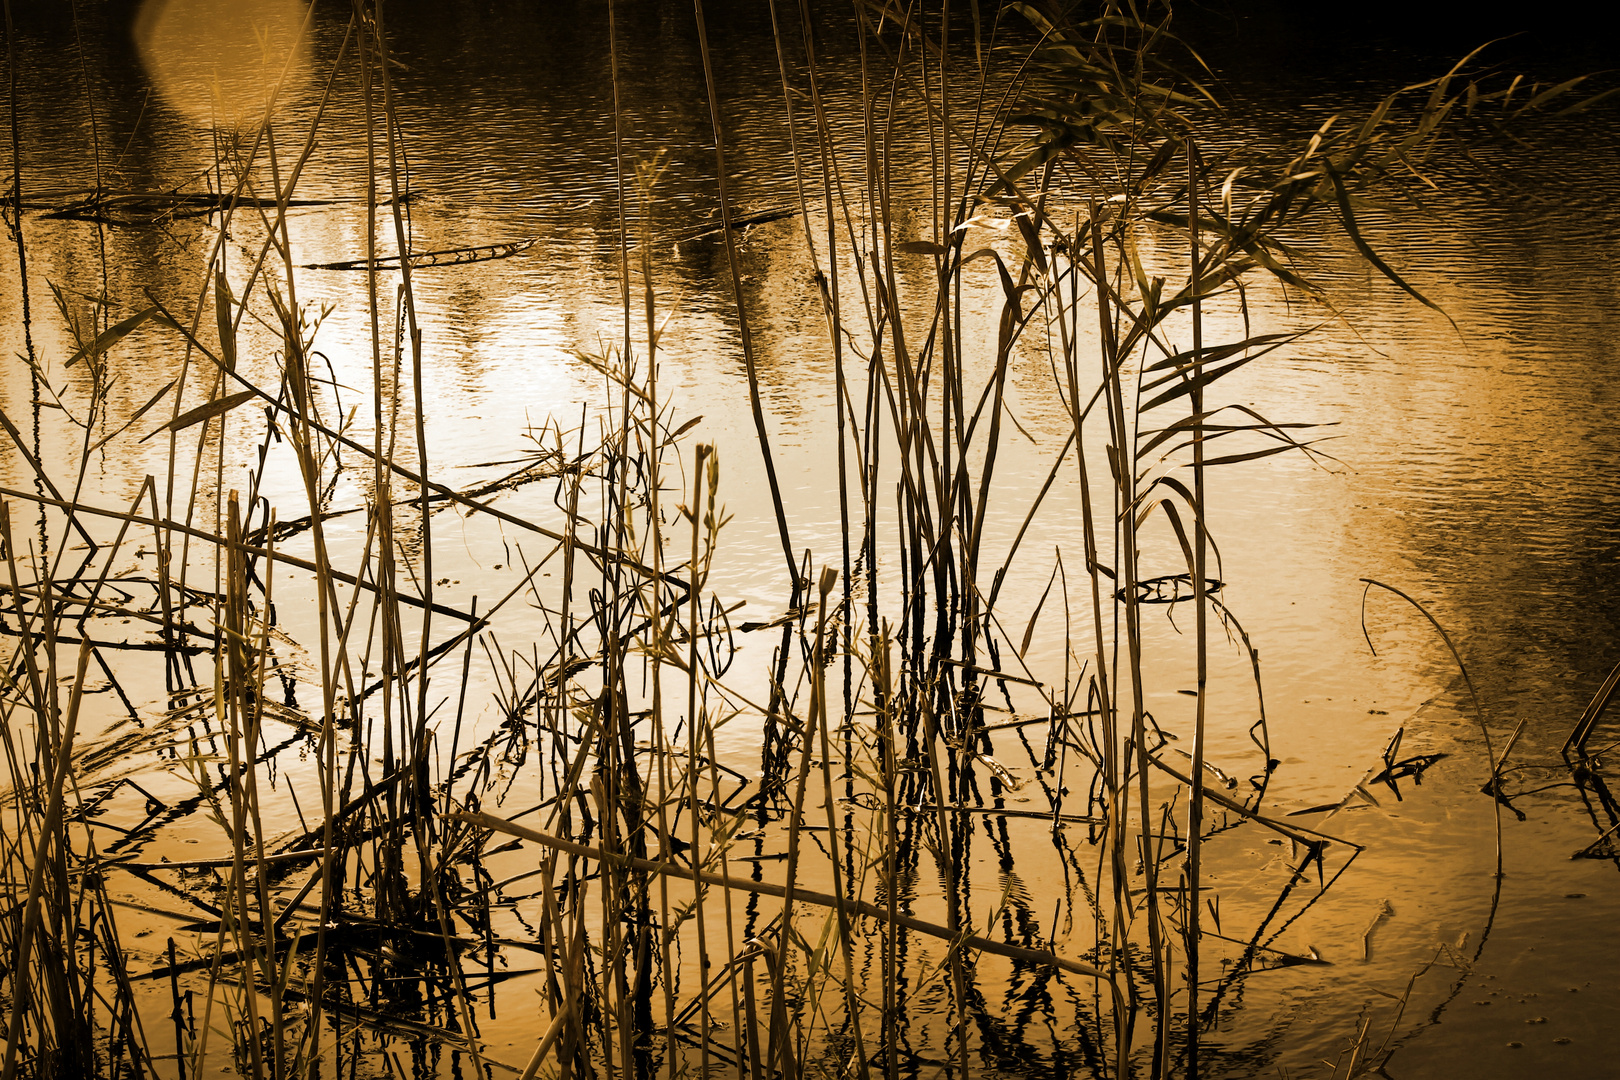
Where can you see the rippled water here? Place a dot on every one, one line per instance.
(1476, 456)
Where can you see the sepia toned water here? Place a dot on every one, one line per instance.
(1473, 458)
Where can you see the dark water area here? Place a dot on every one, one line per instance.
(1475, 451)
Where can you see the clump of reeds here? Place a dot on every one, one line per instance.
(852, 902)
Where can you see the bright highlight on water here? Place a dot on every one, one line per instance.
(224, 61)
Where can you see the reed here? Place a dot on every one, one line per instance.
(850, 904)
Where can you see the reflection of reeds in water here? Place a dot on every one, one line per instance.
(838, 911)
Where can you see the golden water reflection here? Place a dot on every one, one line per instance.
(225, 62)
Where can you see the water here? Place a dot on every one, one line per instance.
(1474, 459)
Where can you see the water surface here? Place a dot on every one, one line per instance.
(1473, 455)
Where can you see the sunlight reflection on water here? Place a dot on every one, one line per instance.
(225, 62)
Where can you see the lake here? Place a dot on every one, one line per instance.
(1466, 458)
